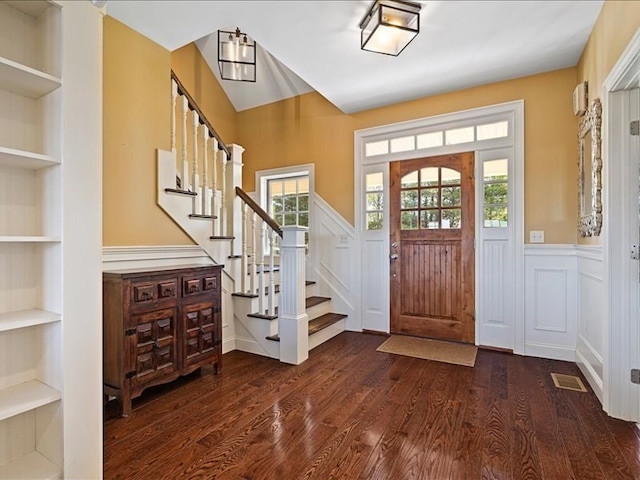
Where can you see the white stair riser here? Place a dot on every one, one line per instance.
(325, 334)
(318, 310)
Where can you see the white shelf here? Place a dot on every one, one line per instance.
(10, 157)
(28, 239)
(29, 467)
(26, 318)
(25, 397)
(26, 81)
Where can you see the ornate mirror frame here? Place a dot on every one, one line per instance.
(590, 171)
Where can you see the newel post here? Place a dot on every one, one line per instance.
(293, 323)
(234, 204)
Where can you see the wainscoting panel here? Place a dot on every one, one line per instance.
(495, 292)
(550, 302)
(591, 316)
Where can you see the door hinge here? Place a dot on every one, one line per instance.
(635, 375)
(634, 128)
(130, 375)
(130, 331)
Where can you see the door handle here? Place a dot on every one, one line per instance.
(393, 256)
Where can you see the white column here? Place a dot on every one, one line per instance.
(234, 179)
(185, 162)
(195, 208)
(174, 97)
(293, 323)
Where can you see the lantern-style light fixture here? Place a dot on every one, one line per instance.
(389, 26)
(236, 56)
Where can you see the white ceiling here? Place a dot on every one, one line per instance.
(461, 44)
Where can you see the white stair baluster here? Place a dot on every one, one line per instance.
(205, 171)
(214, 186)
(185, 162)
(223, 203)
(174, 97)
(261, 267)
(272, 283)
(243, 265)
(196, 177)
(252, 263)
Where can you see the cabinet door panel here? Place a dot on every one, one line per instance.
(199, 342)
(154, 346)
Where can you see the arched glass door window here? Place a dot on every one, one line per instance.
(430, 199)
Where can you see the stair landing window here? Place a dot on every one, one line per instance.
(286, 196)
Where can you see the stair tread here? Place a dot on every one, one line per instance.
(181, 192)
(317, 324)
(202, 217)
(221, 237)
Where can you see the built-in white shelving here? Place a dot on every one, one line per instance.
(31, 421)
(30, 466)
(50, 277)
(10, 157)
(26, 81)
(26, 318)
(24, 397)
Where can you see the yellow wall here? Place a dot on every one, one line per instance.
(136, 113)
(616, 25)
(308, 129)
(196, 76)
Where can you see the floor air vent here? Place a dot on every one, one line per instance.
(568, 382)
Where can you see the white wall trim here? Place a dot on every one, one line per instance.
(111, 255)
(621, 399)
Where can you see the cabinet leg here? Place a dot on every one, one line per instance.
(125, 404)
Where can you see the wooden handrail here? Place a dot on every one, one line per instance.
(203, 118)
(258, 209)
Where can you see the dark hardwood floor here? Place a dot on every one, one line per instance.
(350, 412)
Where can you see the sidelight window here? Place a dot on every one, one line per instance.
(496, 198)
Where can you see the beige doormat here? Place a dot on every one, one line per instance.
(447, 352)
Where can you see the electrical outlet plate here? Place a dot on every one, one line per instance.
(536, 236)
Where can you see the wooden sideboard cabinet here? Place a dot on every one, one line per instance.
(159, 324)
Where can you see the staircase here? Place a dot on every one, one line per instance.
(276, 311)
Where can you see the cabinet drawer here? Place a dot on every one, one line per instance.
(144, 293)
(199, 285)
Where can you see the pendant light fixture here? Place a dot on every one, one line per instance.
(236, 56)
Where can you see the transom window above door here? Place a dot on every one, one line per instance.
(430, 198)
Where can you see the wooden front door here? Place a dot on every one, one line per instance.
(432, 247)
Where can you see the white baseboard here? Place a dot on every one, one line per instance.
(553, 352)
(228, 345)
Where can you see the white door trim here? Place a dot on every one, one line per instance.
(362, 164)
(621, 399)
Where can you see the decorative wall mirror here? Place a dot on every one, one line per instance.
(589, 171)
